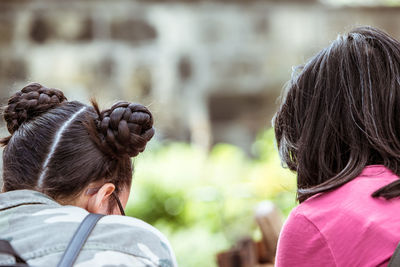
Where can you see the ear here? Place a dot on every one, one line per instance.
(98, 202)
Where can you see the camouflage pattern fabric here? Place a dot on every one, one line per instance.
(40, 229)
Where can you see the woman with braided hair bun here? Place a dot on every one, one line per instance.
(64, 160)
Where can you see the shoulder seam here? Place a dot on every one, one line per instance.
(323, 237)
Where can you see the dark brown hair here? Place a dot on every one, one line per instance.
(58, 147)
(341, 113)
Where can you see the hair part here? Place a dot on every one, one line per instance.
(340, 113)
(54, 146)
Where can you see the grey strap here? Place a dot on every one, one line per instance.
(79, 239)
(395, 259)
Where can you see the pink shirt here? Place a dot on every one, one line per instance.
(344, 227)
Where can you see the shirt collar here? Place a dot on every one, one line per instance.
(23, 197)
(376, 171)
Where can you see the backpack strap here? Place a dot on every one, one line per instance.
(395, 259)
(6, 248)
(79, 239)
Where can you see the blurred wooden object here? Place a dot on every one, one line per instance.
(243, 255)
(262, 252)
(247, 253)
(270, 221)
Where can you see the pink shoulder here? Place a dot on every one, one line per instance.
(302, 244)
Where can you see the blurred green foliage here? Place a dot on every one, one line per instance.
(204, 201)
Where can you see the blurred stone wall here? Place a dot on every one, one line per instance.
(210, 71)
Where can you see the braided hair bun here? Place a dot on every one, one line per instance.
(33, 100)
(123, 129)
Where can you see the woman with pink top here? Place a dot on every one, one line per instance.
(338, 128)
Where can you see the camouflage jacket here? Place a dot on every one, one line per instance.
(40, 229)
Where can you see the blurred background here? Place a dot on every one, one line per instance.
(210, 71)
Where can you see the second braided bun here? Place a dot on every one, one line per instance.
(123, 129)
(32, 101)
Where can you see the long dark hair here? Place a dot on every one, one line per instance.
(341, 112)
(58, 147)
